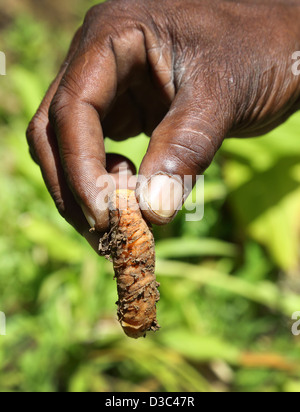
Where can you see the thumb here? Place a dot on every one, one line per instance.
(183, 145)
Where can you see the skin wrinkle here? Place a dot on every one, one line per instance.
(207, 120)
(64, 108)
(177, 162)
(185, 68)
(69, 85)
(206, 136)
(158, 55)
(82, 157)
(269, 103)
(181, 145)
(194, 159)
(266, 102)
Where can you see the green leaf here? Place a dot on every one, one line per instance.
(59, 245)
(264, 292)
(200, 348)
(29, 89)
(268, 207)
(134, 148)
(193, 247)
(292, 387)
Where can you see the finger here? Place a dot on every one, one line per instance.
(44, 106)
(74, 116)
(180, 149)
(44, 150)
(85, 94)
(37, 133)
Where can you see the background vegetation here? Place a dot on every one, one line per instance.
(229, 284)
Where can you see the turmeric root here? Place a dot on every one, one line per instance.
(131, 246)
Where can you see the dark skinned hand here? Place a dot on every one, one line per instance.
(188, 73)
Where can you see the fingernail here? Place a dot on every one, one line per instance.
(163, 194)
(91, 220)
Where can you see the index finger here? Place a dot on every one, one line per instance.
(83, 96)
(97, 74)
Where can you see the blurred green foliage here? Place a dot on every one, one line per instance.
(229, 284)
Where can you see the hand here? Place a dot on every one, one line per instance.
(188, 73)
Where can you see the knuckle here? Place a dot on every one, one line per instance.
(117, 16)
(34, 133)
(93, 13)
(30, 132)
(33, 129)
(58, 108)
(67, 93)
